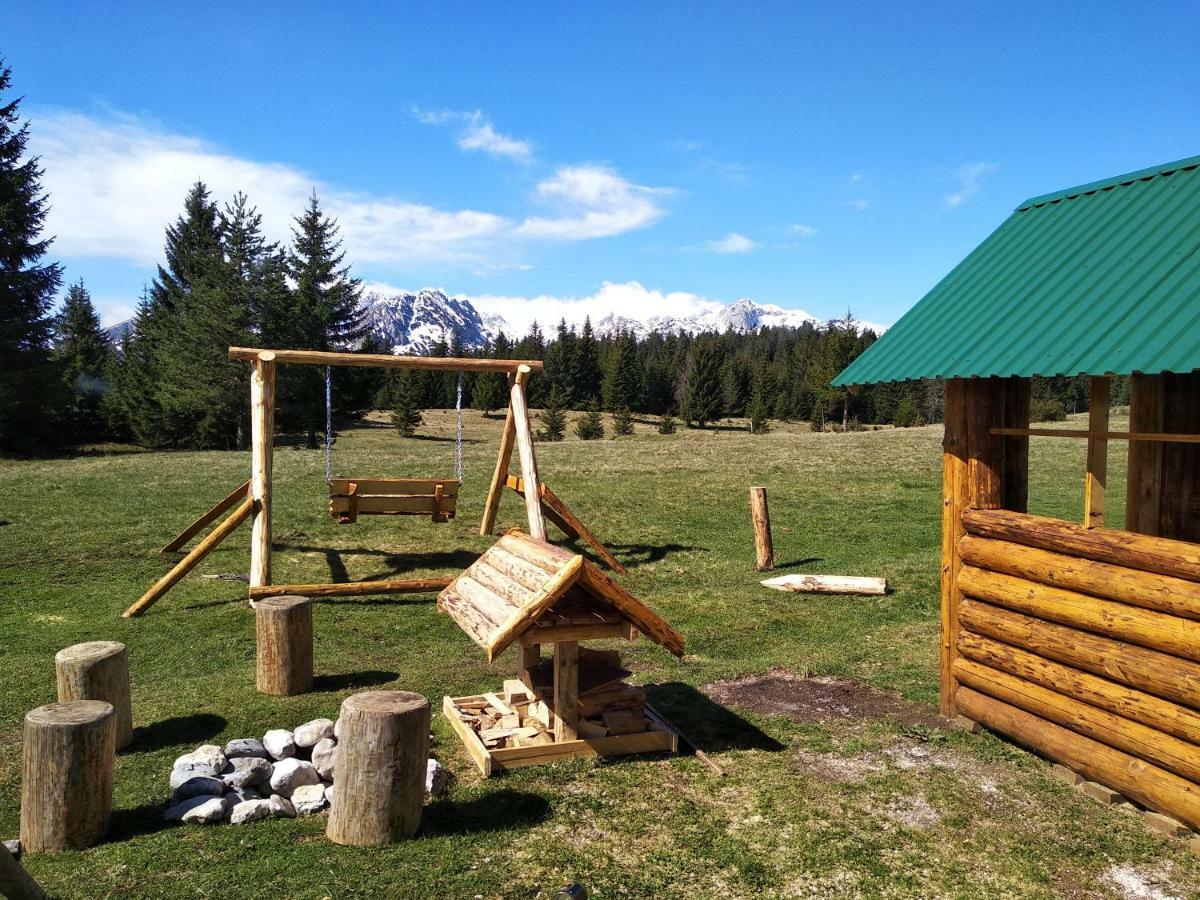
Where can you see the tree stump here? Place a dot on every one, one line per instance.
(67, 775)
(98, 670)
(380, 775)
(285, 645)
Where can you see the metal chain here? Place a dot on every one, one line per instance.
(458, 463)
(328, 426)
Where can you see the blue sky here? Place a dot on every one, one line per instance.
(815, 156)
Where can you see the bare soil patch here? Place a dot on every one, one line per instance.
(823, 700)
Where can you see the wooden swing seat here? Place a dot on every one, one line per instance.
(350, 498)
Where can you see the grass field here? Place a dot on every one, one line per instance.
(854, 807)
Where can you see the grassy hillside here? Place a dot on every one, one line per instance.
(845, 804)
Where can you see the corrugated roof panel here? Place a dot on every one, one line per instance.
(1099, 279)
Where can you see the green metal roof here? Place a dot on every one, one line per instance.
(1099, 279)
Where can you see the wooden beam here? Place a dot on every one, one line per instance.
(599, 631)
(209, 517)
(1158, 437)
(353, 588)
(1016, 448)
(385, 360)
(527, 455)
(566, 690)
(570, 524)
(985, 450)
(1096, 477)
(954, 500)
(496, 488)
(262, 439)
(185, 565)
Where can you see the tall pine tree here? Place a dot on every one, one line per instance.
(31, 397)
(701, 390)
(83, 357)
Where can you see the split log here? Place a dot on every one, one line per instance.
(1139, 780)
(566, 690)
(764, 552)
(1172, 754)
(15, 882)
(283, 627)
(353, 588)
(1139, 706)
(1155, 630)
(827, 584)
(1156, 673)
(1179, 559)
(527, 455)
(67, 775)
(380, 773)
(1163, 593)
(98, 670)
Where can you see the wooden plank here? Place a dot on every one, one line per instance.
(645, 619)
(527, 455)
(955, 498)
(185, 565)
(498, 582)
(1096, 476)
(600, 631)
(353, 588)
(614, 745)
(1157, 437)
(566, 690)
(385, 505)
(552, 589)
(519, 570)
(386, 360)
(240, 492)
(492, 606)
(827, 584)
(262, 438)
(477, 626)
(503, 458)
(467, 735)
(393, 486)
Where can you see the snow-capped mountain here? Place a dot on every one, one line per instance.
(742, 316)
(414, 323)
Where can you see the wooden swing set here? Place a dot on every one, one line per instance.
(350, 497)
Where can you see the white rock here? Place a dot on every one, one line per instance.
(324, 758)
(281, 807)
(290, 774)
(14, 847)
(436, 777)
(198, 811)
(207, 760)
(247, 771)
(245, 747)
(241, 795)
(250, 811)
(280, 743)
(337, 729)
(199, 786)
(312, 733)
(309, 799)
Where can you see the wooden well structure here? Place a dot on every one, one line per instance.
(1080, 640)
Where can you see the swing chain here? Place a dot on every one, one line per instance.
(458, 428)
(328, 427)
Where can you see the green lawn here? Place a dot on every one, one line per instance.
(854, 808)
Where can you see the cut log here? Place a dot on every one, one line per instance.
(764, 551)
(353, 588)
(527, 455)
(67, 775)
(15, 882)
(98, 670)
(283, 626)
(380, 772)
(566, 690)
(827, 584)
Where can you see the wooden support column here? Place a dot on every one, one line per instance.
(262, 435)
(764, 552)
(985, 451)
(500, 476)
(954, 501)
(566, 690)
(528, 657)
(98, 670)
(529, 472)
(1179, 512)
(1016, 447)
(1143, 495)
(1096, 479)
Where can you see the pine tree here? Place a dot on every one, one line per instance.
(31, 396)
(84, 358)
(756, 411)
(667, 424)
(406, 413)
(553, 417)
(622, 422)
(488, 395)
(700, 394)
(560, 363)
(590, 426)
(623, 380)
(587, 376)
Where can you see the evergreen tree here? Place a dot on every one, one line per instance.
(756, 411)
(907, 414)
(406, 413)
(84, 358)
(553, 417)
(560, 363)
(667, 424)
(590, 426)
(738, 380)
(622, 422)
(586, 377)
(700, 394)
(31, 396)
(623, 379)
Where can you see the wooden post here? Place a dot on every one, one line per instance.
(15, 882)
(283, 627)
(528, 657)
(380, 774)
(66, 775)
(1016, 447)
(1097, 453)
(985, 451)
(1144, 485)
(764, 552)
(954, 501)
(98, 670)
(262, 435)
(566, 690)
(529, 472)
(500, 476)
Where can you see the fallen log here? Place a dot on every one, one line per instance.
(827, 584)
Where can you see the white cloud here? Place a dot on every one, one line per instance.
(112, 311)
(802, 231)
(732, 243)
(478, 133)
(858, 204)
(858, 178)
(116, 182)
(968, 176)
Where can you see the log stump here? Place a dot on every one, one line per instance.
(764, 551)
(98, 670)
(380, 775)
(285, 645)
(67, 775)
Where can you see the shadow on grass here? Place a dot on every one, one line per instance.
(502, 810)
(794, 563)
(633, 555)
(368, 678)
(178, 730)
(126, 824)
(705, 724)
